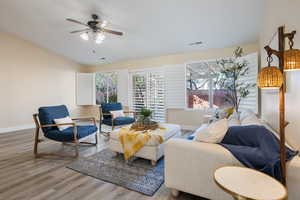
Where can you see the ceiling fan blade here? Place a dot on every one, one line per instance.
(77, 22)
(79, 31)
(111, 31)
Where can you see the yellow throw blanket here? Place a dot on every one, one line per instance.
(132, 141)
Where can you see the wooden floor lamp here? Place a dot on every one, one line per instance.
(274, 77)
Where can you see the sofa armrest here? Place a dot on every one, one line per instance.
(190, 166)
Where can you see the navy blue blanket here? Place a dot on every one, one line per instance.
(256, 147)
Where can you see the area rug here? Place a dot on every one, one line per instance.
(138, 175)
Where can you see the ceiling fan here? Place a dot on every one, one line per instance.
(95, 28)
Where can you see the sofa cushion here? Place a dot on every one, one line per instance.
(119, 121)
(67, 135)
(49, 113)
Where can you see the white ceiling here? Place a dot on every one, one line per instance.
(151, 27)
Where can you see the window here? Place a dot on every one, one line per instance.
(202, 89)
(106, 87)
(148, 91)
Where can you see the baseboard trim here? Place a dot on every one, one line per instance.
(16, 128)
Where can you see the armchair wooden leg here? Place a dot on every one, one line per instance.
(100, 126)
(153, 163)
(36, 141)
(96, 138)
(174, 192)
(76, 149)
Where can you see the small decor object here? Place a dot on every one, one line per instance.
(232, 71)
(145, 116)
(144, 121)
(142, 127)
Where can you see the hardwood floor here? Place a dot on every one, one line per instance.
(24, 177)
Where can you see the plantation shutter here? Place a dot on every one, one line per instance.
(175, 86)
(123, 87)
(251, 102)
(156, 95)
(148, 91)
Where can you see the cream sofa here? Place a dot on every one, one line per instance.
(190, 165)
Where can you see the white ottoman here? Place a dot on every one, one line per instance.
(151, 151)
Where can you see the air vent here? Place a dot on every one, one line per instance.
(196, 43)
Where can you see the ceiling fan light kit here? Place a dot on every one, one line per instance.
(95, 30)
(99, 38)
(84, 36)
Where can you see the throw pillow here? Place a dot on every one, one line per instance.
(63, 121)
(117, 113)
(251, 120)
(214, 133)
(245, 113)
(192, 137)
(233, 120)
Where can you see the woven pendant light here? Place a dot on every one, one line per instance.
(270, 78)
(292, 60)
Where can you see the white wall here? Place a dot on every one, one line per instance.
(277, 13)
(30, 77)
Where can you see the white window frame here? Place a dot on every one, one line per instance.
(254, 107)
(210, 95)
(105, 71)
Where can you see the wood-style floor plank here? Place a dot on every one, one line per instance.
(22, 177)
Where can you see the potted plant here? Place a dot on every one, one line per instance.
(145, 116)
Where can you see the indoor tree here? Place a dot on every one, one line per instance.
(232, 71)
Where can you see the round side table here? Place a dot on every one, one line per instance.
(249, 184)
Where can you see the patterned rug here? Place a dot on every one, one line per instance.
(138, 175)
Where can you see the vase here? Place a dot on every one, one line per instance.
(147, 121)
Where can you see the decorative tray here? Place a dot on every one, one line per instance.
(137, 126)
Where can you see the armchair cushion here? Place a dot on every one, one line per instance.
(49, 113)
(119, 121)
(67, 135)
(107, 107)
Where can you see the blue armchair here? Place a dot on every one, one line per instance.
(106, 116)
(44, 121)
